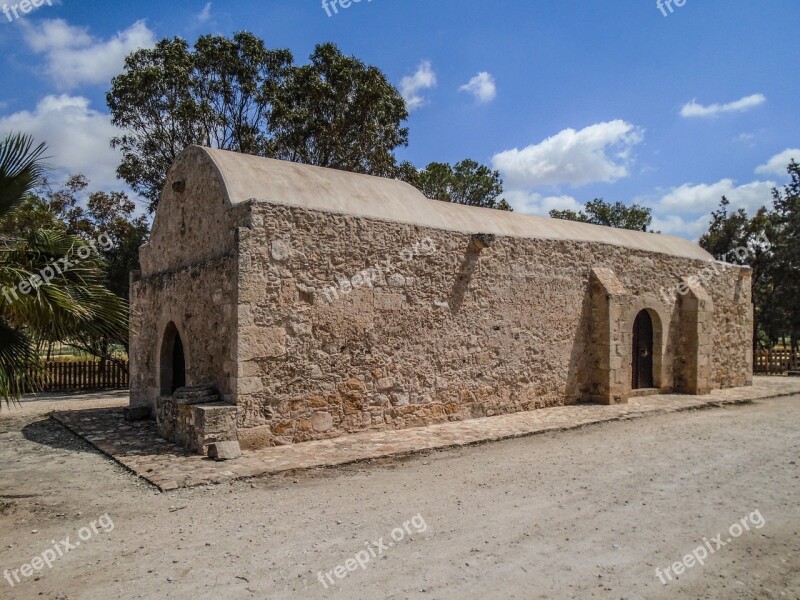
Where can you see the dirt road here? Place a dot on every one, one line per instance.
(589, 513)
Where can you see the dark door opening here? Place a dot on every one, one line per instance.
(642, 368)
(178, 365)
(173, 361)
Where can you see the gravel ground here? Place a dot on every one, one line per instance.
(588, 513)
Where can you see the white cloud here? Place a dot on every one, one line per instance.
(600, 152)
(677, 225)
(778, 163)
(686, 210)
(410, 86)
(531, 203)
(76, 135)
(704, 197)
(482, 86)
(693, 109)
(205, 14)
(73, 57)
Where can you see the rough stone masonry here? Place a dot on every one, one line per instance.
(279, 303)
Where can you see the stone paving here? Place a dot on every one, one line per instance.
(138, 447)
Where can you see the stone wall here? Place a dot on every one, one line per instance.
(201, 301)
(188, 277)
(194, 223)
(332, 338)
(732, 330)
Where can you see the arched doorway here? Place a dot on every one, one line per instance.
(173, 361)
(642, 367)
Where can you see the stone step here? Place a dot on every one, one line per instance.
(642, 392)
(200, 394)
(198, 400)
(195, 391)
(224, 450)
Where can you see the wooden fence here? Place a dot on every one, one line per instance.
(85, 375)
(775, 362)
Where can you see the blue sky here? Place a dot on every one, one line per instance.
(569, 99)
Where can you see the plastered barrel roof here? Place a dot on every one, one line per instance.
(252, 178)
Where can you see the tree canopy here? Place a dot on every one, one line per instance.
(466, 182)
(338, 112)
(236, 94)
(599, 212)
(783, 314)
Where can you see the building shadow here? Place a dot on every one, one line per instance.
(103, 429)
(580, 359)
(469, 265)
(49, 432)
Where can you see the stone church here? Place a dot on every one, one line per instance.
(279, 303)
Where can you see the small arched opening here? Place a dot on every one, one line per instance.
(173, 361)
(642, 367)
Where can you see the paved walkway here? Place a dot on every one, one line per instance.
(138, 447)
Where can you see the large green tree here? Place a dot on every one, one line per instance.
(236, 94)
(51, 282)
(467, 182)
(218, 93)
(786, 242)
(338, 112)
(599, 212)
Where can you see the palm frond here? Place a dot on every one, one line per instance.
(60, 298)
(21, 168)
(63, 278)
(20, 365)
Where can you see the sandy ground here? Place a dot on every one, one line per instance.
(588, 513)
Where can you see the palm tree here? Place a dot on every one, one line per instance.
(73, 304)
